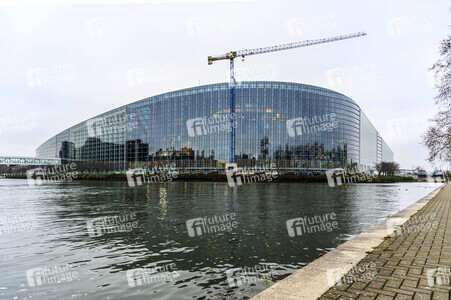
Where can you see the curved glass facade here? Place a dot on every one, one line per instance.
(294, 125)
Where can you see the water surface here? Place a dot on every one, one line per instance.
(55, 233)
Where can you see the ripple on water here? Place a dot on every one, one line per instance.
(58, 234)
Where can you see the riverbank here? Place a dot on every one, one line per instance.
(223, 178)
(383, 262)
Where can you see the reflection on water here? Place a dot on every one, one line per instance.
(109, 265)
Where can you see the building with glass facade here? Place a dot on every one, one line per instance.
(295, 126)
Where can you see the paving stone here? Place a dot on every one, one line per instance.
(364, 297)
(384, 297)
(359, 285)
(377, 284)
(422, 296)
(346, 294)
(393, 283)
(415, 271)
(363, 293)
(410, 283)
(403, 297)
(386, 271)
(400, 271)
(330, 295)
(440, 296)
(400, 291)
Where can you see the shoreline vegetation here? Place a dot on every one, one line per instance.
(223, 178)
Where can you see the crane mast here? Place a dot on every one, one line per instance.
(242, 53)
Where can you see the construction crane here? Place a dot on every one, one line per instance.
(242, 53)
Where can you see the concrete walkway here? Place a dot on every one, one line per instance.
(406, 256)
(413, 263)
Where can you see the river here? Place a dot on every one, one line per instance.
(106, 240)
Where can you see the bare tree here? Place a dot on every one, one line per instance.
(378, 167)
(392, 168)
(442, 73)
(387, 168)
(438, 136)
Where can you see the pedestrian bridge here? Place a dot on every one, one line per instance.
(28, 161)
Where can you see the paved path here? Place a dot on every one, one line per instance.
(413, 263)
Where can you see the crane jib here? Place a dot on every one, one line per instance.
(247, 52)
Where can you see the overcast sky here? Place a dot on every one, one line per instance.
(62, 64)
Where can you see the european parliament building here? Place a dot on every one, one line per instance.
(297, 127)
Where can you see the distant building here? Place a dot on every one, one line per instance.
(406, 172)
(295, 126)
